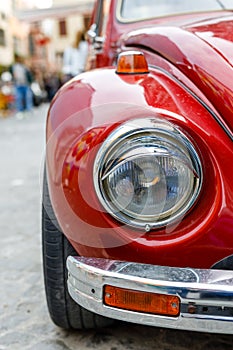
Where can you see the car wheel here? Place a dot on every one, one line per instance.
(63, 310)
(224, 264)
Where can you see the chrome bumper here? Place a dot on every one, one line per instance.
(206, 296)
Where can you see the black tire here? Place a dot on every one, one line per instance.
(64, 311)
(224, 264)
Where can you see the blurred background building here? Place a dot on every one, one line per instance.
(7, 28)
(40, 30)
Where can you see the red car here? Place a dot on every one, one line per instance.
(138, 192)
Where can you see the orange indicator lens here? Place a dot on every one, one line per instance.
(133, 300)
(132, 62)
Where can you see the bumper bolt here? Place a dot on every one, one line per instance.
(192, 309)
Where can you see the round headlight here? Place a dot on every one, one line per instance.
(147, 173)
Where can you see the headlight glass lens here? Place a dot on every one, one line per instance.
(147, 176)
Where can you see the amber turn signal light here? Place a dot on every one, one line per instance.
(132, 62)
(133, 300)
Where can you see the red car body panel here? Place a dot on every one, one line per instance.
(181, 87)
(213, 39)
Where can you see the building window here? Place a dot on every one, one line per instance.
(16, 44)
(2, 38)
(31, 44)
(3, 16)
(62, 27)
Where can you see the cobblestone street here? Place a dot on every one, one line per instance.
(24, 320)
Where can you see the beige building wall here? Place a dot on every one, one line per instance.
(72, 2)
(16, 31)
(73, 25)
(19, 32)
(6, 39)
(73, 22)
(58, 40)
(13, 34)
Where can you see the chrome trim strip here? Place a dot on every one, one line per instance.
(206, 295)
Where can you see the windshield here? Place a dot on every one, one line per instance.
(136, 10)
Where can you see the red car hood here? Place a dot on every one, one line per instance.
(203, 51)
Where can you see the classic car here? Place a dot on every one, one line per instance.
(137, 215)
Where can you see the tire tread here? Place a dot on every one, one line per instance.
(64, 311)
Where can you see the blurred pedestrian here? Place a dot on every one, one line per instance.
(6, 94)
(51, 84)
(74, 57)
(22, 79)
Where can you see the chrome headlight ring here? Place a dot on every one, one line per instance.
(147, 173)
